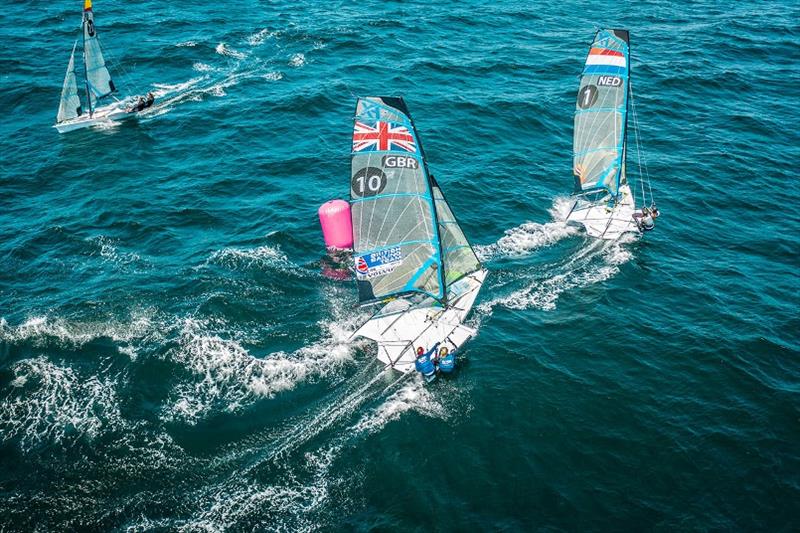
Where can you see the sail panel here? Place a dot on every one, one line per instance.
(396, 244)
(600, 111)
(98, 78)
(459, 258)
(70, 105)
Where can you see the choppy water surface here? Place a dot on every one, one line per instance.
(171, 355)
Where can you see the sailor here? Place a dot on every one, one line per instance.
(644, 219)
(424, 362)
(647, 219)
(150, 99)
(139, 104)
(447, 360)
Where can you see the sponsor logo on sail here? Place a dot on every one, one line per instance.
(378, 263)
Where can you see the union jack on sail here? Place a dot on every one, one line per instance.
(382, 136)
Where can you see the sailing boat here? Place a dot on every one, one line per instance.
(604, 204)
(102, 105)
(410, 253)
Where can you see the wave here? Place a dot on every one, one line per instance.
(258, 38)
(593, 264)
(245, 258)
(43, 330)
(227, 377)
(49, 403)
(530, 236)
(524, 239)
(203, 67)
(297, 60)
(415, 395)
(224, 50)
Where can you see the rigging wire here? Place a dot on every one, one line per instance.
(118, 67)
(640, 154)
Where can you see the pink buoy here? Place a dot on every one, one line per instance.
(337, 227)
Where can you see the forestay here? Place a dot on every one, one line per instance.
(70, 105)
(600, 114)
(396, 242)
(98, 79)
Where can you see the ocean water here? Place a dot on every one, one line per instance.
(173, 358)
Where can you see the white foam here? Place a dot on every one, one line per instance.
(163, 89)
(41, 329)
(202, 67)
(523, 239)
(561, 207)
(297, 60)
(593, 264)
(187, 44)
(273, 76)
(260, 36)
(227, 377)
(110, 253)
(260, 257)
(224, 50)
(414, 395)
(56, 403)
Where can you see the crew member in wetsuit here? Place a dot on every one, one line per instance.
(447, 360)
(424, 362)
(150, 99)
(644, 219)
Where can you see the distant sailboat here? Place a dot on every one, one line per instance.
(604, 204)
(410, 253)
(102, 105)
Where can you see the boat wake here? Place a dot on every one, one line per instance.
(594, 263)
(531, 236)
(540, 286)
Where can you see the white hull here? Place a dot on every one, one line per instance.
(602, 221)
(102, 116)
(400, 326)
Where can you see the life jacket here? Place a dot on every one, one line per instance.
(447, 363)
(424, 364)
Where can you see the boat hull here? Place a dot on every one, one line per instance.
(400, 327)
(604, 222)
(102, 116)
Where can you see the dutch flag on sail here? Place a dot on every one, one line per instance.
(605, 61)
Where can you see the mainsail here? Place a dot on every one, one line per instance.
(70, 105)
(98, 79)
(395, 230)
(600, 114)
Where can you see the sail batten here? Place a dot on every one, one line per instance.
(70, 105)
(600, 114)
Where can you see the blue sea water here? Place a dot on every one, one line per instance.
(172, 356)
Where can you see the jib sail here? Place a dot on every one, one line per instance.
(70, 105)
(395, 231)
(459, 258)
(600, 114)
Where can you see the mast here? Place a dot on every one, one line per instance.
(86, 6)
(436, 228)
(623, 166)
